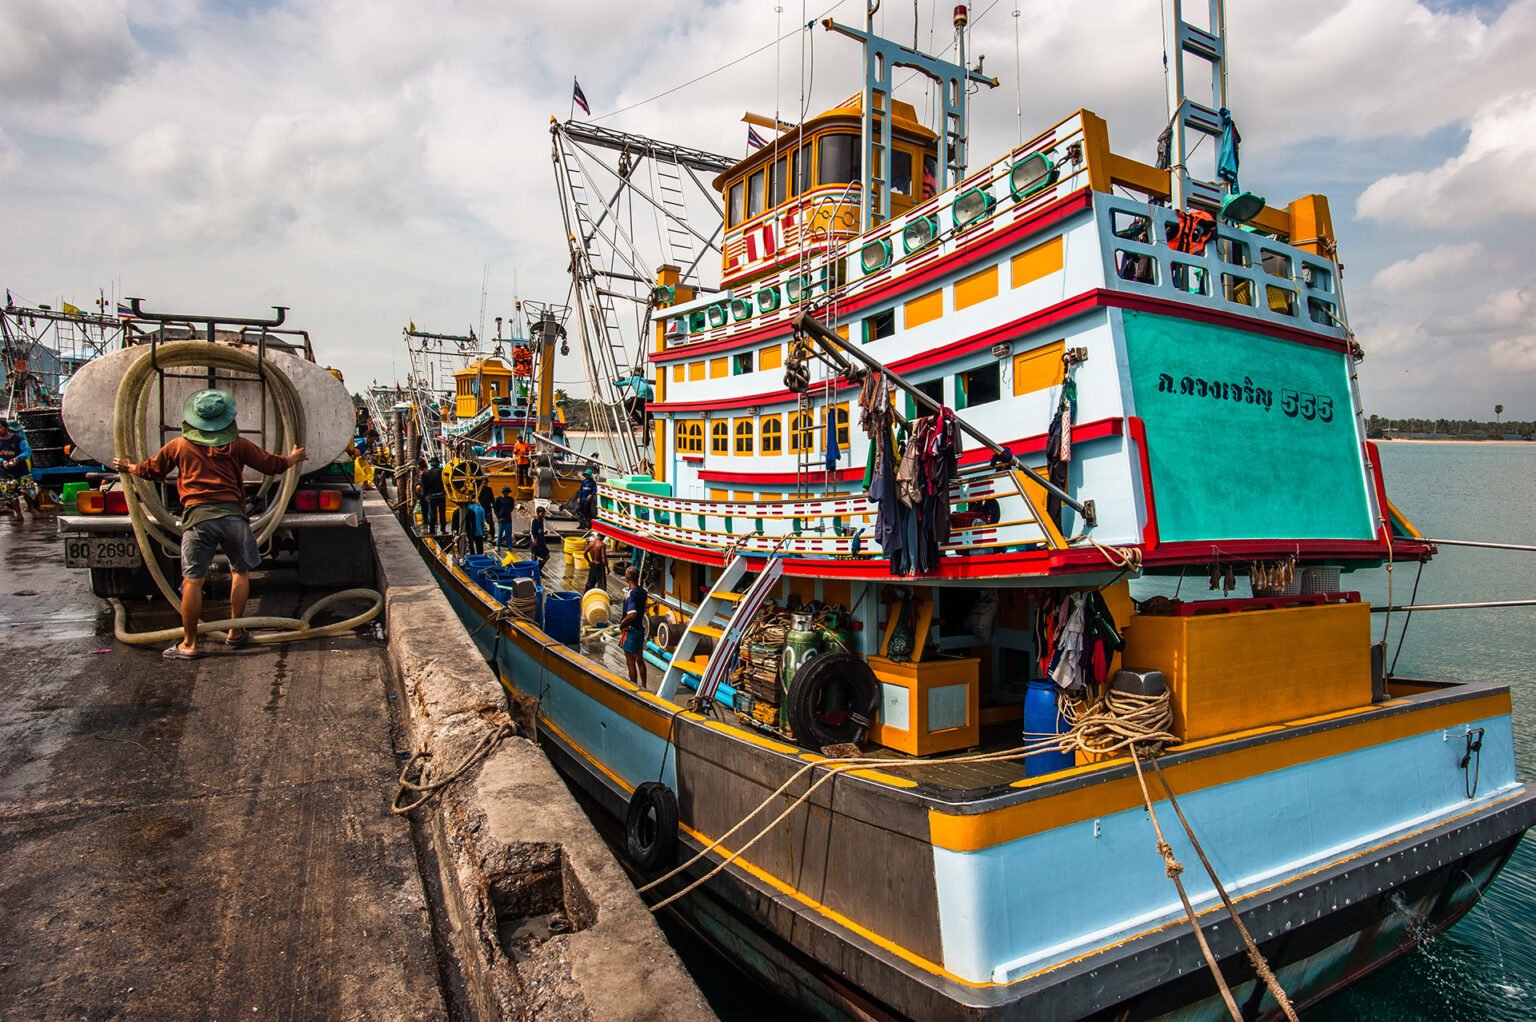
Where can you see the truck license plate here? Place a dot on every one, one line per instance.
(101, 552)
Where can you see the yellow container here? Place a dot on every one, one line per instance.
(1246, 669)
(576, 552)
(927, 707)
(596, 607)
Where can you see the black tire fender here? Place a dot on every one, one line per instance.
(808, 690)
(650, 827)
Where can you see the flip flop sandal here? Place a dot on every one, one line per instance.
(177, 653)
(243, 639)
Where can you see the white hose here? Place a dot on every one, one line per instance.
(152, 520)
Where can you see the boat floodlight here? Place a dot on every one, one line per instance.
(1241, 207)
(1032, 173)
(972, 205)
(741, 309)
(876, 255)
(768, 299)
(717, 314)
(920, 233)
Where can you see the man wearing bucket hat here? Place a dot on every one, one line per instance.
(210, 458)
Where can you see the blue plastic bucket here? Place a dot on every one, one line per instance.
(562, 616)
(495, 581)
(1042, 716)
(524, 569)
(475, 564)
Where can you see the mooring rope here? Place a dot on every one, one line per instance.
(425, 790)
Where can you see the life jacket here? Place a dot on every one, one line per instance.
(522, 361)
(1195, 230)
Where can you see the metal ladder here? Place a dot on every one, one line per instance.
(1186, 115)
(734, 611)
(669, 186)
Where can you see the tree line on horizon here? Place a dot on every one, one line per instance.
(1379, 427)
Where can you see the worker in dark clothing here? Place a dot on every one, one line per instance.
(632, 626)
(471, 522)
(487, 500)
(540, 541)
(433, 498)
(597, 562)
(504, 507)
(586, 500)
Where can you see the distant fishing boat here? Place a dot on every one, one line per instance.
(914, 748)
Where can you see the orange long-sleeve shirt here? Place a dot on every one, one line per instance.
(208, 474)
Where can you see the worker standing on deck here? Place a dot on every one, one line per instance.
(586, 500)
(471, 522)
(597, 562)
(504, 507)
(210, 458)
(486, 498)
(539, 540)
(434, 499)
(632, 626)
(522, 450)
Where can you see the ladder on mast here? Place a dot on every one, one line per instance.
(1185, 115)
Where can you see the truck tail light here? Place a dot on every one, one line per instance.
(330, 500)
(306, 500)
(90, 502)
(116, 502)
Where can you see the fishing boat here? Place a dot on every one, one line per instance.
(912, 745)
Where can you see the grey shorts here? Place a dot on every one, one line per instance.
(232, 533)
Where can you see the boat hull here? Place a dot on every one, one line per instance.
(1320, 930)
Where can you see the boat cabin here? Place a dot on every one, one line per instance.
(800, 194)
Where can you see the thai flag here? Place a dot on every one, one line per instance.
(124, 311)
(580, 99)
(754, 140)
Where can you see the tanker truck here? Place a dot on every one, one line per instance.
(129, 402)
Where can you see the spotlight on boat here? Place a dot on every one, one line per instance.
(972, 205)
(1241, 207)
(920, 233)
(1032, 173)
(876, 255)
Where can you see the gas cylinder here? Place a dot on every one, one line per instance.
(833, 631)
(800, 645)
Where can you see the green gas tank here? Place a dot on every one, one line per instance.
(834, 632)
(800, 645)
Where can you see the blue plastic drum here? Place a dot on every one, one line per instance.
(1042, 716)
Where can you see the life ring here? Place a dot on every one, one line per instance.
(832, 700)
(650, 826)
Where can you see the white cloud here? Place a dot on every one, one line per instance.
(1428, 269)
(62, 52)
(1481, 184)
(10, 155)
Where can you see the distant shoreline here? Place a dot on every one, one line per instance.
(1465, 443)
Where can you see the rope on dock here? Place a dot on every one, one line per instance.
(423, 789)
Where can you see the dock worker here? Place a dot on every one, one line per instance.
(504, 507)
(632, 626)
(597, 562)
(16, 482)
(586, 500)
(471, 523)
(486, 498)
(539, 539)
(522, 450)
(434, 500)
(210, 458)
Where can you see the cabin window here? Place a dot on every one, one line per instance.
(776, 180)
(678, 369)
(837, 160)
(978, 386)
(840, 424)
(934, 389)
(695, 370)
(744, 436)
(802, 178)
(773, 434)
(802, 433)
(717, 367)
(771, 357)
(755, 194)
(879, 324)
(720, 437)
(734, 206)
(901, 172)
(690, 437)
(742, 363)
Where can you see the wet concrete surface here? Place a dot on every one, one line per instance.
(196, 840)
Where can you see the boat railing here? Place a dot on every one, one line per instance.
(1001, 515)
(1238, 271)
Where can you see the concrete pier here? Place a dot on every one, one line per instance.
(214, 840)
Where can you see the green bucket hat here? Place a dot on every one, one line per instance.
(208, 418)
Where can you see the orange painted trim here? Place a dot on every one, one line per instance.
(984, 830)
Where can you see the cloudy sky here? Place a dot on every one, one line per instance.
(367, 162)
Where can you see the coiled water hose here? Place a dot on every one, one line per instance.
(154, 524)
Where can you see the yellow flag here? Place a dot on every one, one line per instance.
(413, 326)
(71, 310)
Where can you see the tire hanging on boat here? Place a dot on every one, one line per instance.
(832, 700)
(650, 827)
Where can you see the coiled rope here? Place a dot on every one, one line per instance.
(153, 523)
(424, 789)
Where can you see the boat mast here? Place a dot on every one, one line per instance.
(881, 58)
(1186, 115)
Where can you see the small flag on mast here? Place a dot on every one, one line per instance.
(754, 140)
(124, 311)
(71, 310)
(579, 98)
